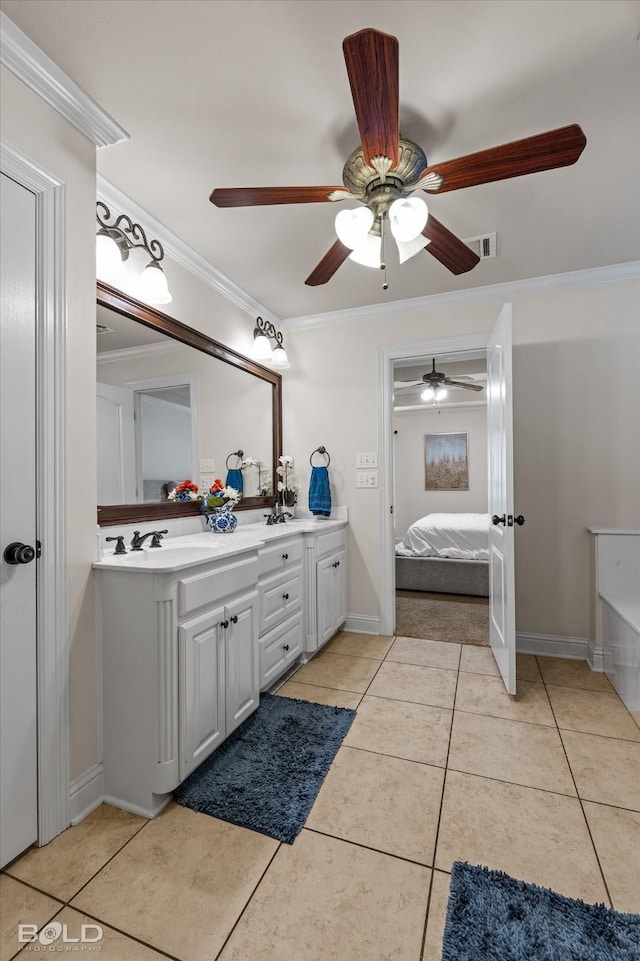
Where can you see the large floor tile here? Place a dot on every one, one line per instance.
(64, 865)
(181, 883)
(593, 712)
(437, 916)
(410, 682)
(480, 660)
(339, 671)
(413, 650)
(381, 802)
(112, 946)
(319, 695)
(616, 835)
(21, 905)
(404, 729)
(533, 835)
(528, 754)
(323, 899)
(605, 769)
(360, 645)
(567, 672)
(636, 717)
(482, 694)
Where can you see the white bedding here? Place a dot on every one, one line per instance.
(461, 536)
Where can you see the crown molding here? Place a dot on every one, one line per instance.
(592, 277)
(427, 408)
(183, 254)
(25, 59)
(133, 353)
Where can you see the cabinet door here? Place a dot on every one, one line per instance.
(339, 589)
(202, 673)
(325, 576)
(241, 642)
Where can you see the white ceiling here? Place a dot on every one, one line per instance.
(255, 93)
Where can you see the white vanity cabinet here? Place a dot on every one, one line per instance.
(327, 585)
(180, 671)
(281, 589)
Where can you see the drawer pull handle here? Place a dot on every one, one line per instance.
(337, 564)
(285, 647)
(285, 597)
(224, 624)
(234, 619)
(285, 557)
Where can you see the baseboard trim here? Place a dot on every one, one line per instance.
(136, 809)
(553, 645)
(360, 624)
(595, 657)
(87, 793)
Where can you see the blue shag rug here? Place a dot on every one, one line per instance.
(494, 917)
(268, 773)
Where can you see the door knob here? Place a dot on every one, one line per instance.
(498, 520)
(519, 520)
(18, 553)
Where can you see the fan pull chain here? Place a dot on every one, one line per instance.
(383, 260)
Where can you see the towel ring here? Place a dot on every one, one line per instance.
(320, 450)
(236, 453)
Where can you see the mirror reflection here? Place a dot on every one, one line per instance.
(169, 412)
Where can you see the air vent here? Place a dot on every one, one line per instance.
(484, 246)
(103, 329)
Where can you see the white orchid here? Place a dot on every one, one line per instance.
(286, 461)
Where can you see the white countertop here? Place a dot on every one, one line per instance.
(626, 605)
(613, 530)
(190, 550)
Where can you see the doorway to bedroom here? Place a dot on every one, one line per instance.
(440, 478)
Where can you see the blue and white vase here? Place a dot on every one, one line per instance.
(222, 520)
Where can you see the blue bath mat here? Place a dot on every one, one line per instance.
(493, 917)
(268, 773)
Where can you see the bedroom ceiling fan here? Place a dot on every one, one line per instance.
(385, 171)
(436, 383)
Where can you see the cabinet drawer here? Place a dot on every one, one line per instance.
(281, 556)
(280, 596)
(330, 542)
(214, 585)
(279, 648)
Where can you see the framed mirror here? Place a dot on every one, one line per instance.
(174, 404)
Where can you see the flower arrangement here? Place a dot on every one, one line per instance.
(186, 491)
(287, 487)
(220, 496)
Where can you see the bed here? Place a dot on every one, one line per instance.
(445, 553)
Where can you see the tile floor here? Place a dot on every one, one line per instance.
(439, 765)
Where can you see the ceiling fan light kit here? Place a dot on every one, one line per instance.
(384, 172)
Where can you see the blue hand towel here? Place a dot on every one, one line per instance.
(319, 492)
(234, 479)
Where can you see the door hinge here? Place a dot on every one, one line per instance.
(391, 509)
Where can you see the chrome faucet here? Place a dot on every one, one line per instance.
(137, 541)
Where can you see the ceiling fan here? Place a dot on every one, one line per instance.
(383, 173)
(436, 381)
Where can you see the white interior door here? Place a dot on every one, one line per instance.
(18, 693)
(116, 445)
(502, 610)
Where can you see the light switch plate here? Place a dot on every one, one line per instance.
(207, 466)
(364, 461)
(205, 482)
(367, 479)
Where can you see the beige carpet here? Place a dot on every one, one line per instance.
(443, 617)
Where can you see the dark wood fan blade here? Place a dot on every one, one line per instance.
(459, 383)
(447, 248)
(261, 196)
(327, 267)
(556, 148)
(372, 65)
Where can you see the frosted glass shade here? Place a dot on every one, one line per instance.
(261, 347)
(352, 226)
(152, 286)
(368, 253)
(408, 218)
(279, 359)
(109, 264)
(409, 248)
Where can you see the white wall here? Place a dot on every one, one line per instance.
(166, 440)
(411, 500)
(576, 407)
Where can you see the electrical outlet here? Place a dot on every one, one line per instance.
(367, 479)
(207, 466)
(364, 461)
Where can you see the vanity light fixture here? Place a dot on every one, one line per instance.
(275, 356)
(115, 238)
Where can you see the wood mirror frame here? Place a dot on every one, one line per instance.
(123, 304)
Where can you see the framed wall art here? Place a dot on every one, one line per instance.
(446, 464)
